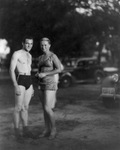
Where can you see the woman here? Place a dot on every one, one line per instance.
(49, 65)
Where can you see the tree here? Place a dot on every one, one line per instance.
(74, 26)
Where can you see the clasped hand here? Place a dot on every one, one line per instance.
(40, 75)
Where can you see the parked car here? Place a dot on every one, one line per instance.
(85, 70)
(110, 91)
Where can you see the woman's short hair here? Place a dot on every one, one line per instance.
(46, 39)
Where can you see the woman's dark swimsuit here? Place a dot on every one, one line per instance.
(24, 80)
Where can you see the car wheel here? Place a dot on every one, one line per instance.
(98, 77)
(65, 82)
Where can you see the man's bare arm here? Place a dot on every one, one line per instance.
(13, 64)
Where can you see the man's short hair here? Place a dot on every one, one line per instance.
(27, 37)
(46, 39)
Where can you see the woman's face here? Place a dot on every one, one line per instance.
(45, 46)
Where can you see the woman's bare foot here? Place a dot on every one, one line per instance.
(52, 134)
(44, 134)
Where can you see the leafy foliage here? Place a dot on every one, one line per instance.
(72, 33)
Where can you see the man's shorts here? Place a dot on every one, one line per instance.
(24, 80)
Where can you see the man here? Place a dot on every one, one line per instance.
(21, 64)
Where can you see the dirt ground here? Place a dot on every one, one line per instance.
(83, 123)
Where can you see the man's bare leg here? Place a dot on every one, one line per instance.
(17, 110)
(24, 115)
(24, 112)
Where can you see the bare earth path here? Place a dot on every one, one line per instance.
(83, 123)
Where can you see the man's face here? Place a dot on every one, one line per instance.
(28, 44)
(45, 46)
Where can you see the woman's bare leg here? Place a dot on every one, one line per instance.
(49, 97)
(46, 132)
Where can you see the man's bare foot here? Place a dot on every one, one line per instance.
(18, 135)
(27, 133)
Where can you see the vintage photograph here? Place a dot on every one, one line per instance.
(59, 75)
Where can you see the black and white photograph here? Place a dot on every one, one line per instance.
(59, 75)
